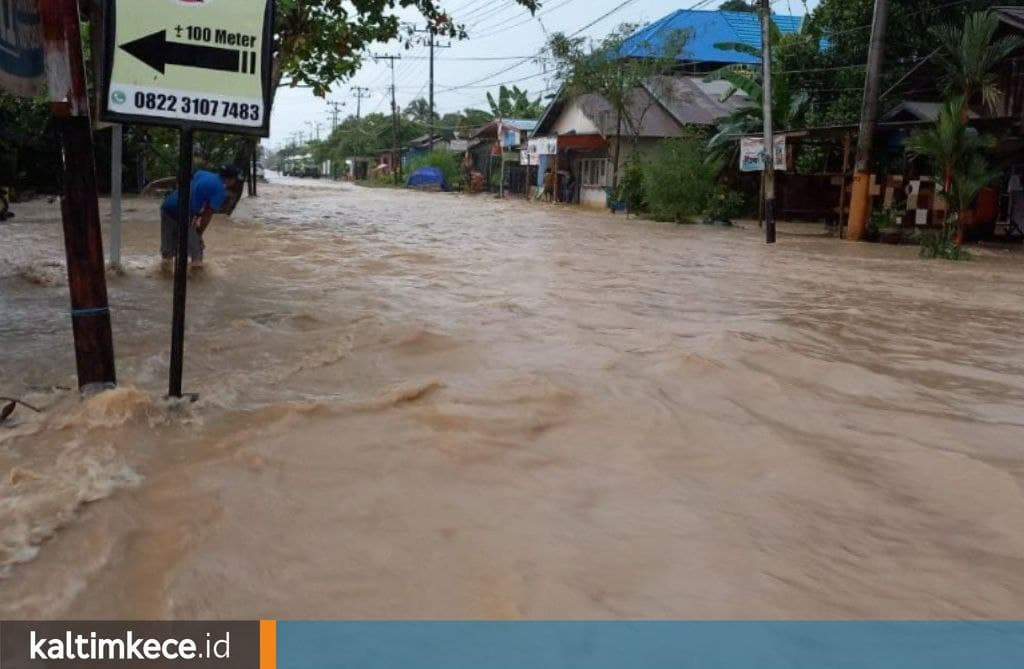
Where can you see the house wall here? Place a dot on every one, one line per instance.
(573, 120)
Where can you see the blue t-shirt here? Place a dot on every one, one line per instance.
(207, 191)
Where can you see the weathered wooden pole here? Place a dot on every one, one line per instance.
(860, 198)
(83, 239)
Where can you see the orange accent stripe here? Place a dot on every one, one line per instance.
(268, 644)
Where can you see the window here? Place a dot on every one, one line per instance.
(594, 172)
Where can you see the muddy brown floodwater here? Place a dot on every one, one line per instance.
(440, 406)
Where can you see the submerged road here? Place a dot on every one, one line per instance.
(443, 406)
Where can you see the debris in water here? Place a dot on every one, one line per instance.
(11, 405)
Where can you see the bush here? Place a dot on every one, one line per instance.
(442, 160)
(631, 184)
(725, 206)
(941, 244)
(679, 181)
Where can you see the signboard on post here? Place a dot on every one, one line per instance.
(194, 65)
(201, 63)
(752, 154)
(22, 71)
(537, 147)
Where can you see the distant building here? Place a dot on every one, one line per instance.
(586, 126)
(494, 143)
(705, 30)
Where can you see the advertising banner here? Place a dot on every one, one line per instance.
(752, 154)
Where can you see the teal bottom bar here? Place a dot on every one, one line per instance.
(650, 645)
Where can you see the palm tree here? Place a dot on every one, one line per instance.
(956, 152)
(419, 111)
(969, 56)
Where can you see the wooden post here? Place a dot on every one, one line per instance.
(181, 261)
(83, 240)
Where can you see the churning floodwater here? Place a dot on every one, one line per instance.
(430, 405)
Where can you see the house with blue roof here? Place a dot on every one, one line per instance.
(664, 107)
(704, 30)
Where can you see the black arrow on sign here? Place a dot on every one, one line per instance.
(154, 50)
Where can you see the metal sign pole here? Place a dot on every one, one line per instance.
(116, 171)
(181, 261)
(188, 65)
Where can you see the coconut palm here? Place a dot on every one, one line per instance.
(419, 110)
(969, 56)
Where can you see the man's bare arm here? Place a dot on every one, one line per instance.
(204, 220)
(159, 183)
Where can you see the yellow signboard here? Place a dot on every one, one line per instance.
(200, 63)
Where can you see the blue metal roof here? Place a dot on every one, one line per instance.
(706, 29)
(520, 123)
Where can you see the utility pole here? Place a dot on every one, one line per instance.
(360, 92)
(432, 43)
(769, 129)
(394, 117)
(430, 120)
(860, 199)
(316, 126)
(335, 112)
(83, 240)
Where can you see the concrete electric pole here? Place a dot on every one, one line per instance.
(769, 134)
(860, 198)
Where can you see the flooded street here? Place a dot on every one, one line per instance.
(444, 406)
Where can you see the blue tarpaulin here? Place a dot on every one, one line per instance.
(427, 177)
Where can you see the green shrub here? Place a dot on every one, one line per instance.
(725, 206)
(678, 181)
(631, 184)
(442, 160)
(883, 220)
(941, 244)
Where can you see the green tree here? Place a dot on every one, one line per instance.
(737, 6)
(419, 110)
(515, 103)
(969, 56)
(789, 102)
(679, 182)
(322, 42)
(832, 70)
(584, 67)
(956, 153)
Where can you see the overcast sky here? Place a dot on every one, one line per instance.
(499, 30)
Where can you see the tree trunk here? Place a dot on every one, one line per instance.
(618, 150)
(246, 147)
